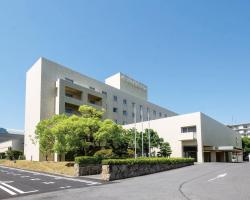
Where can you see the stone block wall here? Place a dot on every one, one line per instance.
(116, 172)
(88, 169)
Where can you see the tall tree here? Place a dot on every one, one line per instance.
(90, 112)
(246, 146)
(44, 135)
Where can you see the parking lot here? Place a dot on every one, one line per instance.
(16, 182)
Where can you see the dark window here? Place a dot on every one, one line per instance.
(160, 114)
(115, 98)
(125, 113)
(124, 101)
(133, 114)
(92, 88)
(105, 93)
(154, 112)
(188, 129)
(115, 110)
(165, 115)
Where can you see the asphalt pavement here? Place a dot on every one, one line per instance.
(16, 182)
(210, 181)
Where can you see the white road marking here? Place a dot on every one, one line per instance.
(55, 176)
(35, 179)
(7, 190)
(16, 189)
(65, 187)
(217, 177)
(48, 183)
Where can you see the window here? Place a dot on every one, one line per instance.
(116, 121)
(124, 113)
(124, 102)
(104, 92)
(92, 88)
(154, 113)
(165, 115)
(115, 98)
(115, 110)
(160, 114)
(69, 80)
(188, 129)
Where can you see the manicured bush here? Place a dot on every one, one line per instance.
(104, 154)
(2, 156)
(150, 161)
(81, 160)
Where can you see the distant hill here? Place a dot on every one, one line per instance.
(3, 131)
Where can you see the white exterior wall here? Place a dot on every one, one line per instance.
(45, 98)
(32, 110)
(13, 144)
(209, 132)
(170, 130)
(217, 134)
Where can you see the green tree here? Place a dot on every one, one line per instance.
(246, 146)
(90, 112)
(165, 150)
(155, 140)
(44, 135)
(111, 135)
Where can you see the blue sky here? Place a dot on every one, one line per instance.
(193, 55)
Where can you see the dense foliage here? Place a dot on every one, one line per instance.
(165, 150)
(147, 161)
(14, 154)
(88, 160)
(86, 134)
(246, 146)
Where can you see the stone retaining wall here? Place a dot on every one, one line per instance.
(116, 172)
(88, 169)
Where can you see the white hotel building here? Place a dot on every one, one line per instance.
(54, 89)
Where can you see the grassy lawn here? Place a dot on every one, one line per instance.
(65, 168)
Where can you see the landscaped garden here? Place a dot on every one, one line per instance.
(86, 144)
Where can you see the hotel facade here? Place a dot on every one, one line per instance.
(54, 89)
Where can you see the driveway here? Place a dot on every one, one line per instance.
(211, 181)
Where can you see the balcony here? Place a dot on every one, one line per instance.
(73, 93)
(94, 100)
(188, 136)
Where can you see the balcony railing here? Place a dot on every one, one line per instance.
(188, 136)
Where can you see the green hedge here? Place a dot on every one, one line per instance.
(151, 161)
(87, 160)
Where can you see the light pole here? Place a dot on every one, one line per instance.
(149, 136)
(135, 127)
(142, 152)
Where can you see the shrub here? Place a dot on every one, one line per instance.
(13, 154)
(131, 153)
(104, 153)
(150, 161)
(21, 157)
(2, 156)
(81, 160)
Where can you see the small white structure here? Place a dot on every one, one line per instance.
(198, 136)
(11, 139)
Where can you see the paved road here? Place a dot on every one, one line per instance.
(211, 181)
(15, 182)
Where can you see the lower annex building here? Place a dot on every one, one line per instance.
(54, 89)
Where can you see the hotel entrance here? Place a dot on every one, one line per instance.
(190, 152)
